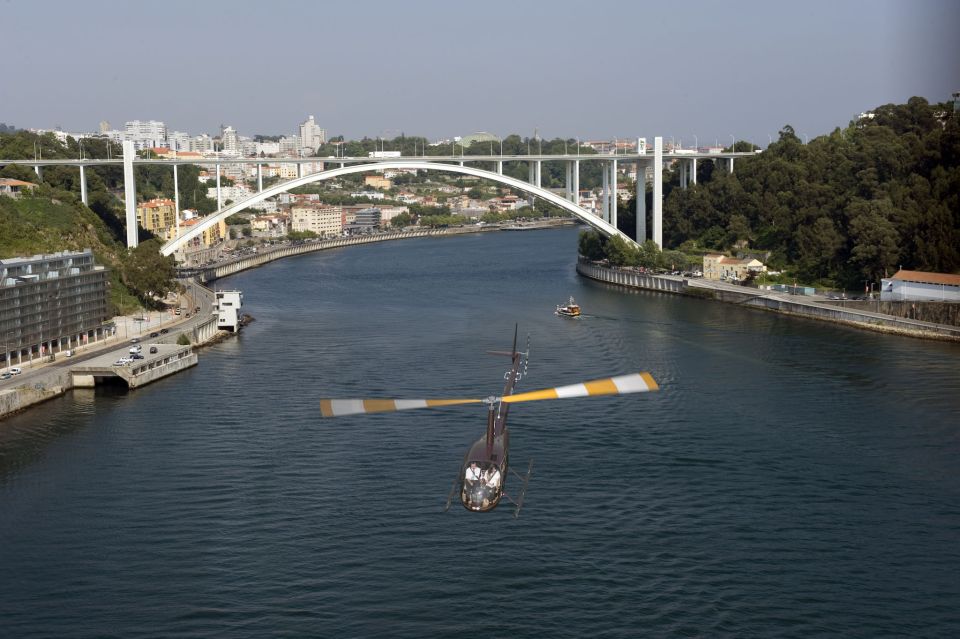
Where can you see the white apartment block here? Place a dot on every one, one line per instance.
(201, 144)
(267, 148)
(146, 134)
(229, 141)
(178, 141)
(289, 145)
(311, 136)
(234, 193)
(325, 221)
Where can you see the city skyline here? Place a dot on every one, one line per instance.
(701, 74)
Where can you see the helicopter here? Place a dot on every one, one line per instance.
(482, 478)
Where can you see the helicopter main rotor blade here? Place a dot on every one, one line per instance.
(620, 385)
(341, 407)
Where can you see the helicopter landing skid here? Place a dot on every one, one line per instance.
(453, 491)
(525, 478)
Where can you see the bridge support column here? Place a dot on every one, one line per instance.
(658, 191)
(219, 198)
(641, 202)
(605, 193)
(499, 166)
(576, 182)
(83, 185)
(531, 178)
(731, 165)
(176, 200)
(130, 193)
(299, 169)
(693, 167)
(36, 169)
(259, 178)
(538, 165)
(568, 181)
(613, 193)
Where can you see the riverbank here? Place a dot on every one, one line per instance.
(219, 270)
(52, 379)
(59, 377)
(782, 303)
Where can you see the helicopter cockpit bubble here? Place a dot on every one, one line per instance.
(482, 485)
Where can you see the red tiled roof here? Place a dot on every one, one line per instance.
(927, 278)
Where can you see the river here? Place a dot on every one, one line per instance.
(791, 478)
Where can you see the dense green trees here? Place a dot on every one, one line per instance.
(852, 205)
(148, 274)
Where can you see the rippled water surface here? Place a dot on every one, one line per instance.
(791, 478)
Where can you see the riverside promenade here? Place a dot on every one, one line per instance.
(776, 302)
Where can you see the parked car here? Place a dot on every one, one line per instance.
(154, 334)
(153, 349)
(135, 349)
(15, 370)
(5, 375)
(164, 331)
(136, 356)
(135, 340)
(68, 353)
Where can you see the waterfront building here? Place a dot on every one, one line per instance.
(228, 305)
(366, 221)
(920, 286)
(324, 220)
(49, 303)
(157, 215)
(388, 212)
(722, 267)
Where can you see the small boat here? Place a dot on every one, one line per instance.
(570, 309)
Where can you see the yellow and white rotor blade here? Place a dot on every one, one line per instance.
(620, 385)
(341, 407)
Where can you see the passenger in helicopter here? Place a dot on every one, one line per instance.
(473, 473)
(493, 478)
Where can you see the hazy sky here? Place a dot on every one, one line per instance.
(588, 69)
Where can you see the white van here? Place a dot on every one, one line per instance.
(15, 370)
(68, 353)
(135, 349)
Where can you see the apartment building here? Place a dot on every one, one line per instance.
(156, 215)
(49, 303)
(322, 219)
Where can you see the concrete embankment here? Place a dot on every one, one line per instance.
(765, 300)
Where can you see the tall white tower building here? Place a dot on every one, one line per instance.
(311, 136)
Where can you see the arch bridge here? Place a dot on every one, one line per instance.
(209, 221)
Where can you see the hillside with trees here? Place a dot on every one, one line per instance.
(850, 206)
(51, 218)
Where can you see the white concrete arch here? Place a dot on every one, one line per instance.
(170, 247)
